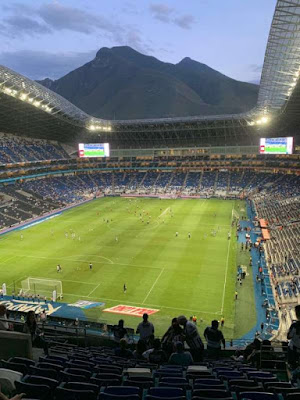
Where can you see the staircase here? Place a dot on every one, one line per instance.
(184, 182)
(170, 181)
(142, 181)
(228, 182)
(216, 182)
(200, 181)
(155, 182)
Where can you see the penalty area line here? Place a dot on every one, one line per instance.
(156, 280)
(92, 291)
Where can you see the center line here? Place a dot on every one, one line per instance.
(153, 286)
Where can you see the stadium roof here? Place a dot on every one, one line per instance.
(28, 108)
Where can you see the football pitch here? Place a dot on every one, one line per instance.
(133, 242)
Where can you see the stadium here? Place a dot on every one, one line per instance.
(102, 220)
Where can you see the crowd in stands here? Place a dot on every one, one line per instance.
(176, 366)
(277, 203)
(14, 149)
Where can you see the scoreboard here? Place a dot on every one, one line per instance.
(93, 150)
(283, 145)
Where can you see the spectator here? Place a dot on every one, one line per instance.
(192, 338)
(119, 331)
(294, 340)
(122, 350)
(140, 350)
(4, 326)
(214, 338)
(37, 337)
(156, 355)
(180, 357)
(145, 329)
(173, 335)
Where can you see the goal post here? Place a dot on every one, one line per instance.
(42, 287)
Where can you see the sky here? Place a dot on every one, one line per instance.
(49, 38)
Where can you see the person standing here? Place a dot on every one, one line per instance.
(37, 337)
(91, 266)
(294, 340)
(192, 338)
(145, 329)
(214, 338)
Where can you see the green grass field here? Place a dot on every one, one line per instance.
(177, 275)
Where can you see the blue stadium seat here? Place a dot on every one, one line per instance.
(165, 392)
(62, 393)
(81, 386)
(257, 396)
(39, 392)
(211, 393)
(48, 373)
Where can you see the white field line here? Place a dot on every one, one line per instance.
(159, 306)
(156, 280)
(9, 259)
(226, 269)
(87, 261)
(163, 213)
(92, 291)
(18, 280)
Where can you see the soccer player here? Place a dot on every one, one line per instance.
(117, 239)
(222, 322)
(176, 234)
(189, 235)
(21, 237)
(229, 235)
(91, 266)
(58, 268)
(124, 288)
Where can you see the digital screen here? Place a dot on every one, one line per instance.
(282, 145)
(93, 150)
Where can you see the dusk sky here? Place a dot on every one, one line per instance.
(43, 38)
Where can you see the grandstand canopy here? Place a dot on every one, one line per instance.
(30, 109)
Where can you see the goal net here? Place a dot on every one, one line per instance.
(42, 287)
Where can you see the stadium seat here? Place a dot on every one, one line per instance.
(77, 371)
(165, 392)
(211, 393)
(109, 396)
(39, 392)
(67, 377)
(48, 373)
(122, 390)
(257, 396)
(21, 360)
(41, 380)
(149, 397)
(62, 393)
(47, 365)
(81, 386)
(15, 366)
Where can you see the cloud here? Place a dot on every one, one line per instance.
(42, 64)
(185, 21)
(15, 25)
(167, 14)
(162, 12)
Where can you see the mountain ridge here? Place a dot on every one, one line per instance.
(121, 83)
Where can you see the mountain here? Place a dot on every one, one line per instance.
(121, 83)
